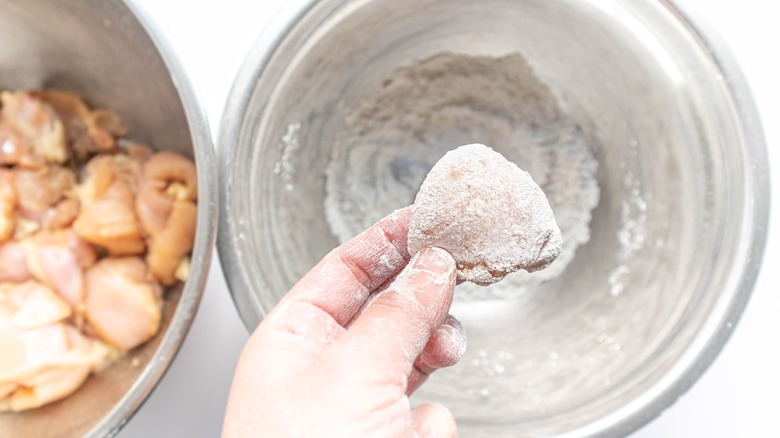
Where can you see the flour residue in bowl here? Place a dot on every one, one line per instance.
(289, 146)
(392, 140)
(630, 235)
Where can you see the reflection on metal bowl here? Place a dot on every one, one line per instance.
(673, 244)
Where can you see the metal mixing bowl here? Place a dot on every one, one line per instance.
(678, 142)
(109, 52)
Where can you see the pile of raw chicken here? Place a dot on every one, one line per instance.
(92, 227)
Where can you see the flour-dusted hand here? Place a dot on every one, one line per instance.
(343, 350)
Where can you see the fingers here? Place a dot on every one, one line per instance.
(433, 420)
(294, 333)
(445, 348)
(342, 281)
(390, 334)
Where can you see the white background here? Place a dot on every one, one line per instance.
(737, 397)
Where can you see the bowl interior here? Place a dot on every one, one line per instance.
(641, 299)
(100, 51)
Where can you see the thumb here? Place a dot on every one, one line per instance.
(393, 330)
(432, 420)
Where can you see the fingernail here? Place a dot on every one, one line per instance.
(451, 344)
(437, 268)
(457, 332)
(435, 260)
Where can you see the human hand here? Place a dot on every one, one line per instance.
(342, 351)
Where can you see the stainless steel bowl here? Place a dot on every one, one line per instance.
(109, 52)
(662, 102)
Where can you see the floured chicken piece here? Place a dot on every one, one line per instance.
(91, 225)
(487, 212)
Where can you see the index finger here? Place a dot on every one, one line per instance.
(342, 281)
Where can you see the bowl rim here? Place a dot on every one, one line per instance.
(249, 309)
(205, 234)
(710, 340)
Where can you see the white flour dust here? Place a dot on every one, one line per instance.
(392, 140)
(631, 234)
(289, 146)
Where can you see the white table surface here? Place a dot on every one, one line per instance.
(737, 397)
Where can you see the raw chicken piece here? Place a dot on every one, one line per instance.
(169, 249)
(7, 205)
(46, 386)
(166, 205)
(123, 303)
(110, 176)
(5, 389)
(110, 224)
(13, 263)
(30, 305)
(62, 215)
(33, 133)
(43, 358)
(107, 195)
(45, 363)
(88, 131)
(14, 149)
(136, 151)
(57, 259)
(39, 195)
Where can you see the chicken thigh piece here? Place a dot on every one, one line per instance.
(107, 195)
(44, 357)
(167, 208)
(123, 303)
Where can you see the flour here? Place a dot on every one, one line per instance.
(289, 147)
(630, 235)
(392, 140)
